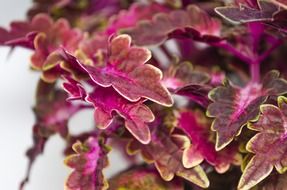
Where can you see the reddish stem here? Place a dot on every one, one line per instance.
(255, 71)
(228, 47)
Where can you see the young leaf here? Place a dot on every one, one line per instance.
(193, 23)
(233, 106)
(244, 14)
(196, 126)
(196, 93)
(89, 160)
(126, 71)
(74, 89)
(269, 145)
(165, 151)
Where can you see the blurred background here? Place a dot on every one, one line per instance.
(17, 84)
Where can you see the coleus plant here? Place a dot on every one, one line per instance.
(195, 88)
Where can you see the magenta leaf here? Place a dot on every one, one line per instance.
(165, 151)
(129, 18)
(143, 179)
(106, 101)
(193, 23)
(196, 126)
(196, 93)
(74, 89)
(269, 145)
(88, 162)
(126, 71)
(244, 14)
(136, 115)
(234, 106)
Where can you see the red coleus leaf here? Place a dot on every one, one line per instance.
(281, 3)
(126, 71)
(52, 114)
(234, 106)
(129, 18)
(165, 151)
(269, 145)
(136, 115)
(196, 93)
(244, 14)
(48, 42)
(106, 101)
(52, 110)
(75, 11)
(183, 74)
(183, 80)
(44, 36)
(273, 182)
(75, 90)
(23, 33)
(196, 126)
(193, 23)
(88, 162)
(143, 179)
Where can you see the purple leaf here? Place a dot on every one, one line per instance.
(74, 89)
(126, 71)
(44, 36)
(193, 23)
(183, 80)
(129, 18)
(106, 101)
(143, 179)
(244, 14)
(183, 74)
(196, 126)
(196, 93)
(273, 182)
(269, 145)
(234, 106)
(165, 151)
(136, 115)
(89, 160)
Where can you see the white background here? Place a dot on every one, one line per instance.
(17, 84)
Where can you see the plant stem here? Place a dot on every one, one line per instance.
(228, 47)
(276, 44)
(255, 71)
